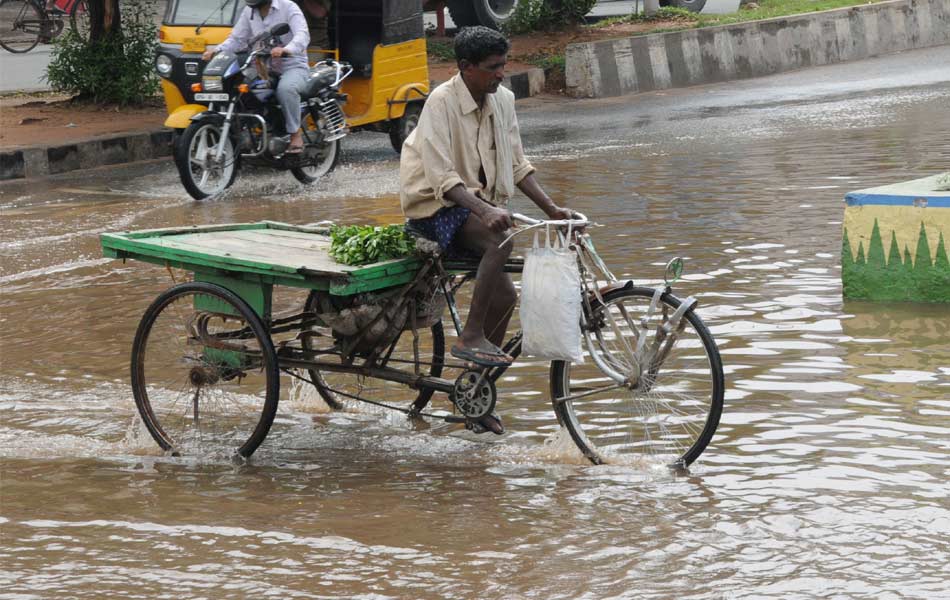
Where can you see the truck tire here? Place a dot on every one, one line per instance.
(490, 13)
(690, 5)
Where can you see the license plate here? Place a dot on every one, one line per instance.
(194, 44)
(212, 97)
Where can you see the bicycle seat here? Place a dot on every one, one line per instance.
(424, 244)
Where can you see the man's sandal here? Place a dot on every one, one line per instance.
(487, 423)
(484, 357)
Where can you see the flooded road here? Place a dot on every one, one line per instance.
(827, 477)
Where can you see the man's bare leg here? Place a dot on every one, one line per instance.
(503, 299)
(487, 313)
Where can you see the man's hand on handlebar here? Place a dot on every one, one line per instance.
(565, 214)
(279, 51)
(207, 55)
(496, 219)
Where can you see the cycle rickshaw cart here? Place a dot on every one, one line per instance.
(208, 353)
(383, 40)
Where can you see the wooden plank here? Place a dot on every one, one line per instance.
(291, 255)
(263, 253)
(146, 233)
(136, 248)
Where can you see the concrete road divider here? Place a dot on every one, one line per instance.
(696, 56)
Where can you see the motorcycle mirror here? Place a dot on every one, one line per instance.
(280, 29)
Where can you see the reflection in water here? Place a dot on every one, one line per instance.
(827, 477)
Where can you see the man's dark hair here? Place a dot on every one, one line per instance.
(475, 44)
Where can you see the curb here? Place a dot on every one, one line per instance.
(113, 150)
(526, 83)
(618, 67)
(26, 163)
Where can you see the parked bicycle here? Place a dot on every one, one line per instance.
(26, 23)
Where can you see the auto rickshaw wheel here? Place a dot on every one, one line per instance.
(403, 126)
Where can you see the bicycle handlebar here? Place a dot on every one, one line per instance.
(580, 221)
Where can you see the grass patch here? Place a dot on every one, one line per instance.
(764, 9)
(768, 9)
(440, 50)
(547, 61)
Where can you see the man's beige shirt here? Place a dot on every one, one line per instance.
(452, 141)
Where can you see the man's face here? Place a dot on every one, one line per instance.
(487, 75)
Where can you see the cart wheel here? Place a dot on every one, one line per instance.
(431, 362)
(204, 372)
(403, 126)
(672, 413)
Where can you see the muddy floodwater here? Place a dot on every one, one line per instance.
(827, 477)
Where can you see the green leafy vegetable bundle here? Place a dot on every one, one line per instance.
(362, 244)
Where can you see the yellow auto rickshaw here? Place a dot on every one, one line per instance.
(384, 41)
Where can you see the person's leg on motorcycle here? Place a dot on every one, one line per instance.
(288, 94)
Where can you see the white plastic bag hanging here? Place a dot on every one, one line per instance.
(551, 301)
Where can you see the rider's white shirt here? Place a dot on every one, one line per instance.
(295, 41)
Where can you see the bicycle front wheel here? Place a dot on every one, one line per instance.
(21, 22)
(670, 414)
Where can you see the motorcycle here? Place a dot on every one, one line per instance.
(243, 116)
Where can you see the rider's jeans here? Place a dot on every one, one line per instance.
(288, 94)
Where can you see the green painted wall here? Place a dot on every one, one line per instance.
(893, 273)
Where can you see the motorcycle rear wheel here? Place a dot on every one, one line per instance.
(201, 173)
(328, 155)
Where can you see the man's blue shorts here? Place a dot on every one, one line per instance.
(442, 228)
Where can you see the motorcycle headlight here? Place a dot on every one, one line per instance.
(212, 84)
(163, 64)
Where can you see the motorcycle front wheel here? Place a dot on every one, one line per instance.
(316, 161)
(202, 171)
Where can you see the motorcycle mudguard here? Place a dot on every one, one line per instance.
(181, 116)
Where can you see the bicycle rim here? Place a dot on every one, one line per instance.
(21, 23)
(670, 416)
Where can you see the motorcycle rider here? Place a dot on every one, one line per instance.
(289, 59)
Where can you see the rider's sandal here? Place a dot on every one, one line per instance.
(490, 423)
(495, 357)
(293, 149)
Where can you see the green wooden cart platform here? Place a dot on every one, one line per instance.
(250, 258)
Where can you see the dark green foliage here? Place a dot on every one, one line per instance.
(535, 15)
(116, 68)
(362, 244)
(666, 13)
(441, 50)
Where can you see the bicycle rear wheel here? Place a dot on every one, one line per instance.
(424, 355)
(79, 20)
(670, 416)
(21, 22)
